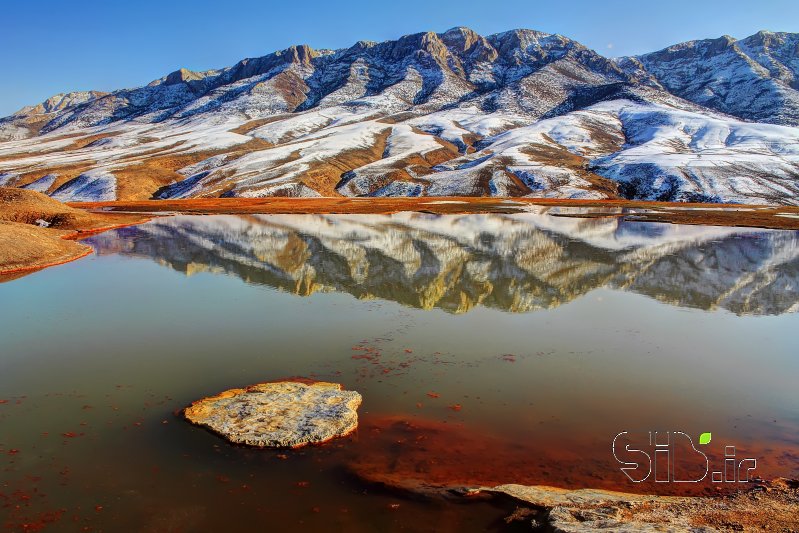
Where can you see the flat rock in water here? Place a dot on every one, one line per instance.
(766, 506)
(286, 414)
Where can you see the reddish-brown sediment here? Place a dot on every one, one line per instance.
(412, 453)
(780, 217)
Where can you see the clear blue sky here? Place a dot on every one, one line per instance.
(47, 47)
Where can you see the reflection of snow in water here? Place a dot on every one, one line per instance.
(517, 262)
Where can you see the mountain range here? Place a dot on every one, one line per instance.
(520, 113)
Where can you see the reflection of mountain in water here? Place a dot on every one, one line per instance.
(509, 262)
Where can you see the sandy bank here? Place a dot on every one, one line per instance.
(37, 231)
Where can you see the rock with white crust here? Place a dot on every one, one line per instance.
(287, 414)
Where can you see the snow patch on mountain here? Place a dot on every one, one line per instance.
(43, 184)
(91, 186)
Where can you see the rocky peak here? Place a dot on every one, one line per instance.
(467, 43)
(460, 38)
(764, 66)
(722, 43)
(182, 75)
(358, 50)
(763, 37)
(515, 45)
(706, 48)
(778, 52)
(767, 39)
(302, 54)
(361, 46)
(418, 44)
(59, 102)
(754, 78)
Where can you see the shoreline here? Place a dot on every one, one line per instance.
(37, 232)
(75, 236)
(41, 266)
(754, 216)
(91, 218)
(768, 505)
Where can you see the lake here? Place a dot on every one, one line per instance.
(488, 349)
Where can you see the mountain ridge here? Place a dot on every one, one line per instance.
(431, 113)
(493, 43)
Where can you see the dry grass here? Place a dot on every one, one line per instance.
(139, 181)
(323, 176)
(64, 173)
(26, 246)
(78, 144)
(398, 117)
(562, 158)
(138, 175)
(247, 127)
(89, 139)
(402, 169)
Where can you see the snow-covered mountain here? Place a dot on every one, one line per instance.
(754, 79)
(521, 113)
(520, 262)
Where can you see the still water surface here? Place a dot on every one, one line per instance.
(488, 349)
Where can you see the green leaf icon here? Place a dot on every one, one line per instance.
(704, 438)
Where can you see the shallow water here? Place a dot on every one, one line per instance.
(488, 349)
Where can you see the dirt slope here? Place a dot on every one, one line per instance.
(37, 231)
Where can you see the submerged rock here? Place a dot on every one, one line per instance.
(281, 414)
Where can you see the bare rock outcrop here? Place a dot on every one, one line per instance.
(287, 414)
(768, 506)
